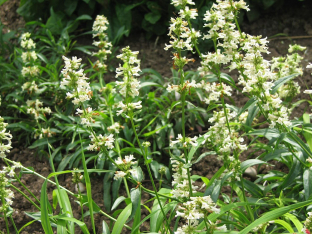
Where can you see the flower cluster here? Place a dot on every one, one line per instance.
(287, 66)
(5, 139)
(27, 42)
(128, 107)
(195, 209)
(215, 91)
(186, 142)
(115, 128)
(99, 141)
(76, 80)
(244, 53)
(31, 87)
(31, 71)
(308, 91)
(86, 116)
(4, 192)
(307, 224)
(129, 87)
(29, 57)
(99, 30)
(225, 140)
(182, 36)
(125, 165)
(180, 180)
(77, 176)
(35, 108)
(44, 132)
(180, 88)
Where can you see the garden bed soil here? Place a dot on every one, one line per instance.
(293, 20)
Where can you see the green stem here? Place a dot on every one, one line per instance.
(183, 94)
(118, 151)
(126, 185)
(88, 186)
(222, 98)
(161, 195)
(80, 202)
(20, 182)
(4, 215)
(149, 171)
(68, 191)
(24, 195)
(185, 151)
(13, 223)
(55, 177)
(206, 224)
(247, 207)
(101, 75)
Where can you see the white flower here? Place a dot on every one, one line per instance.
(74, 78)
(119, 174)
(99, 141)
(115, 128)
(182, 2)
(128, 107)
(187, 141)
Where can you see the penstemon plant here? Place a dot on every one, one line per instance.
(115, 127)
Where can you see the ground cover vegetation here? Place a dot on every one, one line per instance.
(125, 130)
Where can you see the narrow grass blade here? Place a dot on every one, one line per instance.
(273, 215)
(121, 220)
(45, 220)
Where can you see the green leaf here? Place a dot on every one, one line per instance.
(249, 163)
(82, 225)
(147, 83)
(121, 220)
(105, 228)
(252, 188)
(195, 148)
(295, 221)
(45, 221)
(157, 212)
(107, 183)
(281, 81)
(285, 225)
(42, 141)
(65, 207)
(267, 132)
(2, 1)
(307, 136)
(42, 58)
(117, 202)
(251, 103)
(135, 196)
(70, 6)
(276, 154)
(271, 215)
(307, 183)
(227, 79)
(154, 131)
(252, 112)
(299, 143)
(54, 23)
(84, 17)
(152, 17)
(61, 226)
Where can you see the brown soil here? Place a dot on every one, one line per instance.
(293, 21)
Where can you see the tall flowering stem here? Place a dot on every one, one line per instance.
(99, 30)
(183, 37)
(129, 89)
